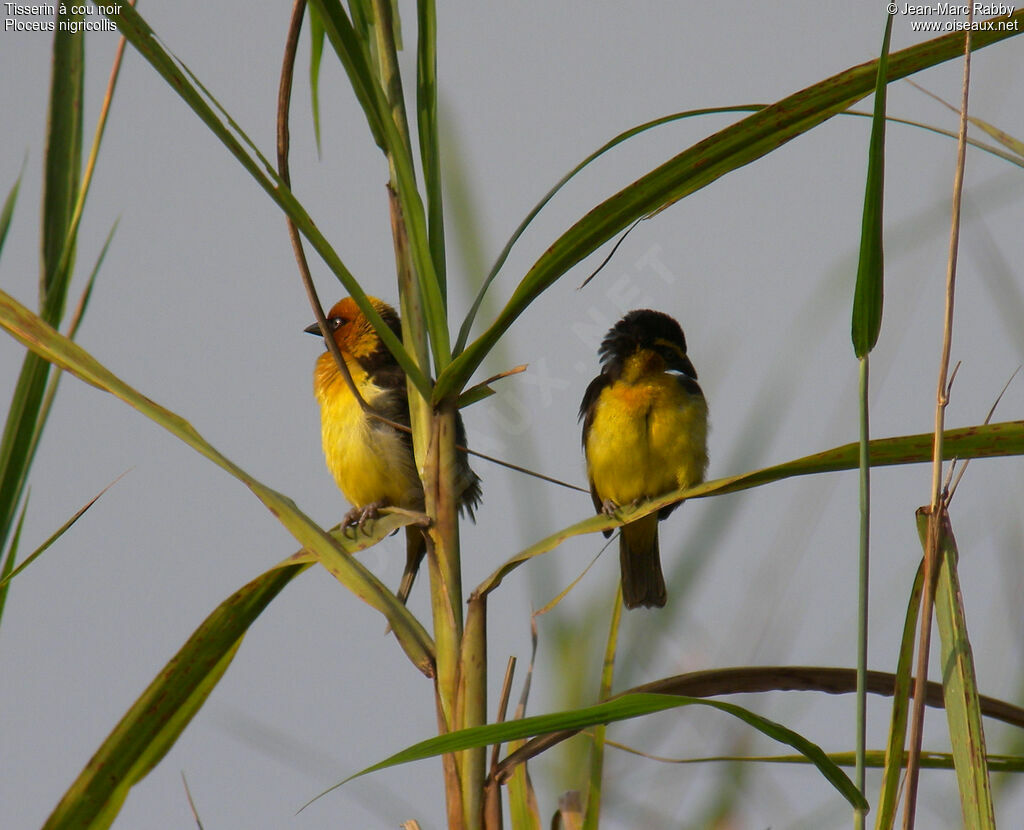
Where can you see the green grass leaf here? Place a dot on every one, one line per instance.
(156, 720)
(53, 347)
(619, 709)
(7, 576)
(866, 324)
(22, 426)
(467, 324)
(867, 296)
(62, 169)
(11, 557)
(316, 52)
(8, 209)
(351, 48)
(76, 320)
(354, 53)
(430, 142)
(873, 758)
(63, 166)
(696, 167)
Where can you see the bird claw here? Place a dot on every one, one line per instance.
(608, 507)
(357, 517)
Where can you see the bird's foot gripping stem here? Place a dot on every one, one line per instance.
(357, 517)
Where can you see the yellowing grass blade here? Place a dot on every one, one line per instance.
(1015, 145)
(959, 684)
(54, 347)
(985, 440)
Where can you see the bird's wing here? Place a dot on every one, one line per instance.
(587, 409)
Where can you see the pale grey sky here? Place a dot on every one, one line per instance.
(199, 307)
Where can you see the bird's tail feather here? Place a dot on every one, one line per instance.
(640, 562)
(415, 550)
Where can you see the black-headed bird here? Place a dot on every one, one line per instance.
(371, 461)
(645, 425)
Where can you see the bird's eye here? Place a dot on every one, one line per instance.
(336, 322)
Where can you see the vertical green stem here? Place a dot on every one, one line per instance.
(444, 502)
(472, 708)
(414, 332)
(443, 563)
(434, 445)
(862, 587)
(430, 311)
(866, 325)
(439, 479)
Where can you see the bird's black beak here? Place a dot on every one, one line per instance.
(680, 363)
(313, 329)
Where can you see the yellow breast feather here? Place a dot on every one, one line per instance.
(645, 439)
(370, 462)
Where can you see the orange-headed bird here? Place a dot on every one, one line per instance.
(645, 425)
(371, 461)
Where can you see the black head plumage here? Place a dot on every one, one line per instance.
(645, 328)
